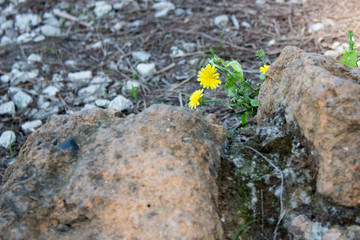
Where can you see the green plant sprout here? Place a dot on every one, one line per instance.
(133, 93)
(350, 57)
(236, 235)
(21, 105)
(243, 96)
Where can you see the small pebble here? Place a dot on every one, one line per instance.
(7, 138)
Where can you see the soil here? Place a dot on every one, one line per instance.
(271, 26)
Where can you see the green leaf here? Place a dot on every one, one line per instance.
(230, 91)
(244, 119)
(254, 102)
(349, 58)
(236, 66)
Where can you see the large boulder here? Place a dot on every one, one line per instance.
(95, 175)
(321, 98)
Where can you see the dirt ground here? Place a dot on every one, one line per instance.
(270, 26)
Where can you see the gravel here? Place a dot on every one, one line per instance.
(120, 103)
(146, 70)
(22, 99)
(7, 108)
(30, 127)
(7, 138)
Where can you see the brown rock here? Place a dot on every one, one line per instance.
(321, 97)
(150, 176)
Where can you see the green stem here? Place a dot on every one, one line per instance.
(215, 100)
(245, 226)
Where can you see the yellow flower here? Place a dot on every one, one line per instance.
(208, 77)
(264, 69)
(194, 99)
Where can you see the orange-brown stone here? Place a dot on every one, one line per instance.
(321, 97)
(149, 176)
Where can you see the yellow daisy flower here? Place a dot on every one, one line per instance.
(194, 99)
(264, 69)
(208, 77)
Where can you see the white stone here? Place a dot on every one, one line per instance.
(7, 138)
(176, 52)
(87, 91)
(118, 5)
(163, 8)
(131, 84)
(271, 42)
(19, 76)
(101, 81)
(235, 21)
(189, 47)
(91, 93)
(118, 26)
(80, 75)
(9, 10)
(335, 45)
(25, 37)
(21, 65)
(30, 127)
(13, 90)
(163, 5)
(102, 8)
(179, 12)
(44, 105)
(193, 61)
(70, 63)
(50, 91)
(135, 24)
(331, 53)
(51, 20)
(5, 78)
(5, 40)
(140, 56)
(88, 106)
(221, 20)
(33, 58)
(315, 27)
(7, 108)
(120, 103)
(102, 103)
(146, 69)
(7, 24)
(246, 24)
(96, 45)
(23, 22)
(22, 100)
(39, 38)
(49, 30)
(261, 2)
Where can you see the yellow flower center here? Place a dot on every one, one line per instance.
(264, 69)
(208, 77)
(194, 99)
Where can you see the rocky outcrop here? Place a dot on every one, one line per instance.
(94, 175)
(302, 227)
(321, 98)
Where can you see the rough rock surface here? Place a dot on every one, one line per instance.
(93, 175)
(303, 228)
(320, 96)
